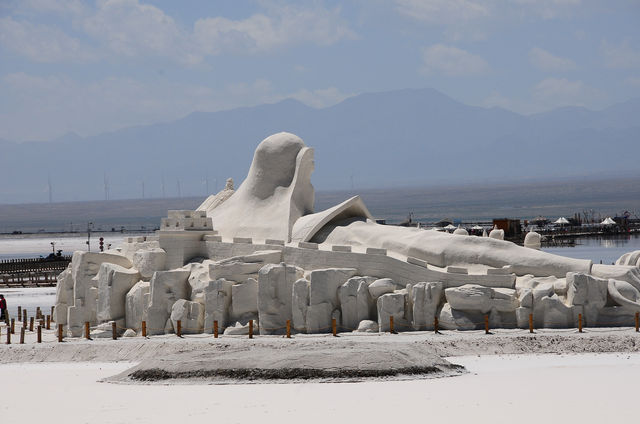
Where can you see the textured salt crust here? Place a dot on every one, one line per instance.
(269, 363)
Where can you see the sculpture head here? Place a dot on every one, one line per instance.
(275, 163)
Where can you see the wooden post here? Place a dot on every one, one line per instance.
(251, 329)
(179, 328)
(530, 323)
(19, 311)
(48, 322)
(114, 330)
(24, 315)
(436, 325)
(637, 321)
(39, 334)
(580, 323)
(60, 334)
(13, 326)
(334, 328)
(391, 324)
(144, 328)
(38, 312)
(486, 324)
(215, 329)
(87, 334)
(8, 336)
(52, 312)
(22, 335)
(31, 324)
(289, 328)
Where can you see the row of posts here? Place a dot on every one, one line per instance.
(334, 327)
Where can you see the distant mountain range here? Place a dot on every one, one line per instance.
(398, 138)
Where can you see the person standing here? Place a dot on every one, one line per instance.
(3, 309)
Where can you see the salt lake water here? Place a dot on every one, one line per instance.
(607, 250)
(20, 246)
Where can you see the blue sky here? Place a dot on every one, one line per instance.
(91, 67)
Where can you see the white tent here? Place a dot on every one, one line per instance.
(477, 227)
(562, 221)
(450, 227)
(608, 221)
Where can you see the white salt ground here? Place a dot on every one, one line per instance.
(585, 388)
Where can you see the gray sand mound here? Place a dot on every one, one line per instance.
(350, 361)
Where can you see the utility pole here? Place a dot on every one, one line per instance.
(143, 189)
(50, 189)
(89, 224)
(106, 186)
(178, 184)
(163, 192)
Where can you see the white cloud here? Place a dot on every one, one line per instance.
(130, 28)
(463, 12)
(452, 61)
(621, 56)
(546, 61)
(549, 9)
(443, 11)
(283, 27)
(556, 92)
(42, 43)
(62, 7)
(455, 17)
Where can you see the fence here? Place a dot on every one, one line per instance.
(37, 272)
(44, 323)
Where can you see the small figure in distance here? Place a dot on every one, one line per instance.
(3, 309)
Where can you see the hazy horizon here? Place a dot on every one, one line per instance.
(427, 204)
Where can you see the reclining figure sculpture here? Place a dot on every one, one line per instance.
(261, 253)
(278, 193)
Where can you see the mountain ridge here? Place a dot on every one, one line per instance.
(393, 138)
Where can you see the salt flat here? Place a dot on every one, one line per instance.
(586, 388)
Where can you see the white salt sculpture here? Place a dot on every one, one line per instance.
(261, 254)
(533, 240)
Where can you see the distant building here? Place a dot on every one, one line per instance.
(511, 227)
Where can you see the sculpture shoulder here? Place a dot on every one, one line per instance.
(307, 226)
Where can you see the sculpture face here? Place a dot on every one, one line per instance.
(274, 164)
(276, 192)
